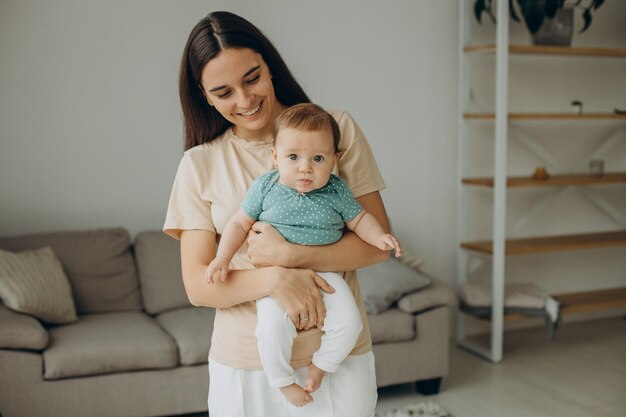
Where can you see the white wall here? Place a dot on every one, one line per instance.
(90, 126)
(90, 122)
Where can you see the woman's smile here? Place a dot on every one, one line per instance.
(253, 111)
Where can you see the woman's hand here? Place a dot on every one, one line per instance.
(298, 293)
(267, 247)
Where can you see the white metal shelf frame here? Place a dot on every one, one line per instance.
(494, 352)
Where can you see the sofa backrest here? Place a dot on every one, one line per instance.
(98, 263)
(158, 264)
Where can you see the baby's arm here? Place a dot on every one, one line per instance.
(235, 233)
(370, 230)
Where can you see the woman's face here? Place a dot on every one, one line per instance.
(237, 82)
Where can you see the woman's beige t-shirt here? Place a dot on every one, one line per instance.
(210, 184)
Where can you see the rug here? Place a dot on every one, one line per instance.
(421, 409)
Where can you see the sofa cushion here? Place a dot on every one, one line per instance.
(108, 343)
(435, 295)
(384, 283)
(33, 282)
(392, 326)
(191, 328)
(98, 263)
(158, 264)
(19, 331)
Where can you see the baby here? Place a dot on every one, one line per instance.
(308, 205)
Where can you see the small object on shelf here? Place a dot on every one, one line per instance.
(577, 106)
(541, 173)
(596, 167)
(619, 111)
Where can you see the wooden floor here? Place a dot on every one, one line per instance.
(582, 373)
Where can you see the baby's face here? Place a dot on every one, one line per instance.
(304, 159)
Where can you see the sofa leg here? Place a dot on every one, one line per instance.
(428, 386)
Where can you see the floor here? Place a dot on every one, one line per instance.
(582, 373)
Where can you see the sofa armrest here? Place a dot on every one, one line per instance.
(19, 331)
(435, 295)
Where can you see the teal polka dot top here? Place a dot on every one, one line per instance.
(314, 218)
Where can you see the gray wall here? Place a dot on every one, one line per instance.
(90, 125)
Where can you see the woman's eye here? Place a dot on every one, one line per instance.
(293, 157)
(253, 80)
(318, 158)
(226, 94)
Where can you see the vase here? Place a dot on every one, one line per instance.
(557, 31)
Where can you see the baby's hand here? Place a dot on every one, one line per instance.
(388, 242)
(219, 265)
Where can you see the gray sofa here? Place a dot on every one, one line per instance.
(139, 348)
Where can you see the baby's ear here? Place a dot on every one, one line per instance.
(338, 156)
(275, 156)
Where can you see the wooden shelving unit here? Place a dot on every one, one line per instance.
(545, 244)
(553, 180)
(548, 116)
(551, 50)
(582, 302)
(500, 246)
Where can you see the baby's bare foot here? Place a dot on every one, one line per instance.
(296, 395)
(314, 379)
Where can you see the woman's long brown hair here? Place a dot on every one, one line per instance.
(214, 33)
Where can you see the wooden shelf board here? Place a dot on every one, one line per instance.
(553, 243)
(548, 116)
(581, 302)
(552, 50)
(552, 180)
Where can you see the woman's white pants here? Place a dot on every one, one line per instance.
(349, 392)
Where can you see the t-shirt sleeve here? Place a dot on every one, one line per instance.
(252, 203)
(187, 210)
(345, 205)
(357, 165)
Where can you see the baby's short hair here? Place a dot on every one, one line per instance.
(308, 117)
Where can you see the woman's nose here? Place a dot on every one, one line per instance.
(245, 100)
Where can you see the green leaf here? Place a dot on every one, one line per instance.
(587, 19)
(514, 15)
(551, 8)
(534, 12)
(479, 8)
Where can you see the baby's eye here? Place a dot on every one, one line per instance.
(318, 158)
(293, 157)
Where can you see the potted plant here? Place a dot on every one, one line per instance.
(548, 21)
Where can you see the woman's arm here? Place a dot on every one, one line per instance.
(296, 290)
(233, 236)
(349, 253)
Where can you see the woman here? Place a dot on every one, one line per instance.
(233, 84)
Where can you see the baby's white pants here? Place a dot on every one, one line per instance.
(275, 332)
